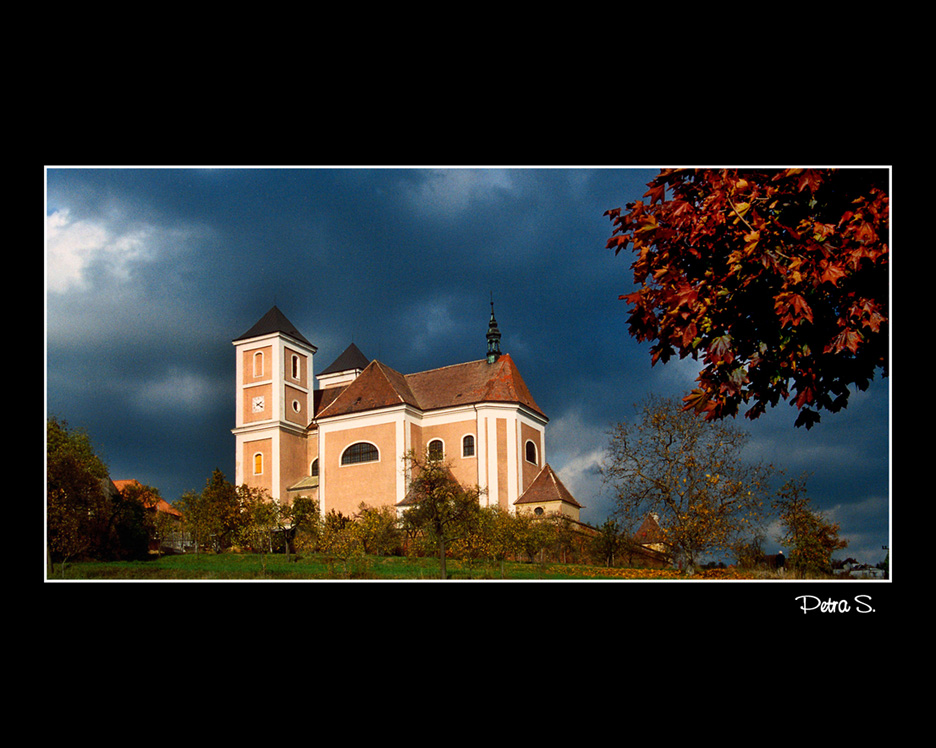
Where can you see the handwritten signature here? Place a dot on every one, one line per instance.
(811, 603)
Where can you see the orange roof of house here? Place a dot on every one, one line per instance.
(547, 487)
(650, 531)
(161, 505)
(379, 386)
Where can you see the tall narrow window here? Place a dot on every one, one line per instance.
(296, 367)
(468, 446)
(258, 364)
(313, 470)
(258, 464)
(531, 452)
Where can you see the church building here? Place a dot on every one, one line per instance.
(343, 442)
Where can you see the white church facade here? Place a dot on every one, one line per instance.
(343, 442)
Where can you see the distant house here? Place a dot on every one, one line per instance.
(159, 509)
(159, 505)
(649, 548)
(547, 495)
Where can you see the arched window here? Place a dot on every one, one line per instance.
(296, 367)
(468, 446)
(258, 364)
(436, 449)
(313, 469)
(360, 452)
(258, 463)
(531, 452)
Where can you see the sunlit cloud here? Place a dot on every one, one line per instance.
(576, 451)
(117, 247)
(73, 246)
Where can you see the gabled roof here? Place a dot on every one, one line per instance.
(271, 322)
(470, 383)
(547, 487)
(321, 399)
(160, 505)
(379, 386)
(650, 531)
(352, 358)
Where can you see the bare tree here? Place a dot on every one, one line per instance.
(672, 462)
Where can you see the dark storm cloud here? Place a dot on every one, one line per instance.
(151, 273)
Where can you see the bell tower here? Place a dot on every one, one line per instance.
(273, 403)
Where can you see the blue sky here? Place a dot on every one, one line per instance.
(152, 272)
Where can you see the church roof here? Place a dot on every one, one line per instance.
(379, 386)
(352, 358)
(321, 399)
(271, 322)
(547, 487)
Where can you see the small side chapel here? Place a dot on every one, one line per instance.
(343, 442)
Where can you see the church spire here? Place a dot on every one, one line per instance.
(493, 337)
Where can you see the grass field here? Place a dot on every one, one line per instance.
(237, 566)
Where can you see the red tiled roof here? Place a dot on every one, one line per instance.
(649, 531)
(547, 487)
(161, 505)
(379, 386)
(321, 399)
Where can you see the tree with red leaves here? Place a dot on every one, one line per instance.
(777, 280)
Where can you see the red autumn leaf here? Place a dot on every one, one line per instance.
(806, 396)
(846, 339)
(632, 298)
(719, 349)
(832, 274)
(793, 309)
(698, 401)
(689, 334)
(656, 193)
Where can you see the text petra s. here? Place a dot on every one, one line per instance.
(811, 603)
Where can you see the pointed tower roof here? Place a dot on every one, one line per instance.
(545, 488)
(272, 322)
(352, 358)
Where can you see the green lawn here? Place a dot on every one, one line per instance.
(247, 566)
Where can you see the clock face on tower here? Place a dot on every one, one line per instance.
(257, 404)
